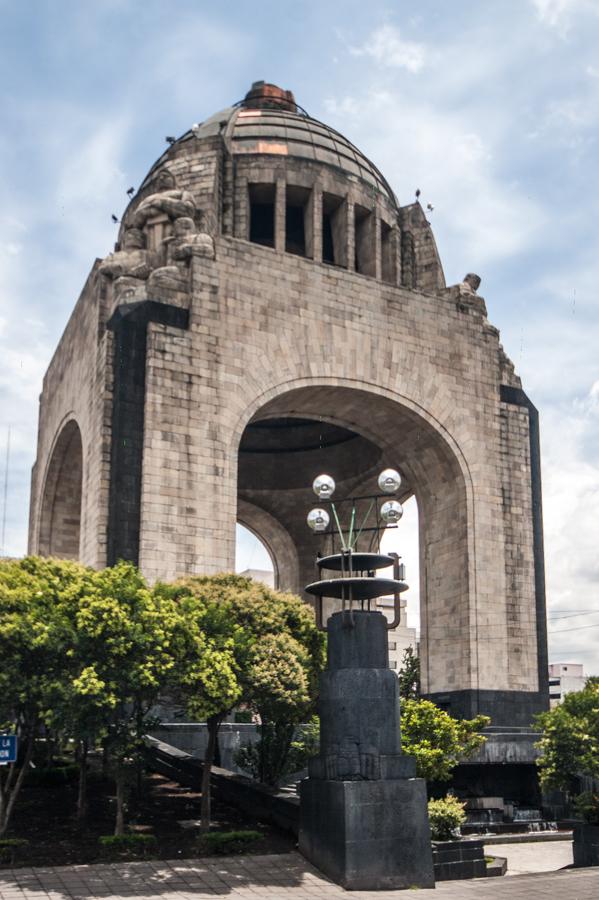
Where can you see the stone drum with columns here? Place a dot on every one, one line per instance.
(271, 311)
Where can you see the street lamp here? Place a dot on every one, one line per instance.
(355, 546)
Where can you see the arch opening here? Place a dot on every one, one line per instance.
(253, 557)
(352, 433)
(60, 518)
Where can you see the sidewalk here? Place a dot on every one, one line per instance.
(529, 858)
(285, 876)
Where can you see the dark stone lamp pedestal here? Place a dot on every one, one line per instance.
(363, 813)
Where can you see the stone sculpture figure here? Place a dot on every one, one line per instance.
(166, 200)
(187, 242)
(130, 260)
(128, 267)
(470, 284)
(181, 247)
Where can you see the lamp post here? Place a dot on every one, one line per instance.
(363, 813)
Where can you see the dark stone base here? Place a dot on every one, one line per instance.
(367, 835)
(505, 708)
(586, 845)
(454, 860)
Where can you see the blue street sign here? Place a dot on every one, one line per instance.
(8, 748)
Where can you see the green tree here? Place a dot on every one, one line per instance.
(409, 675)
(278, 690)
(209, 650)
(123, 654)
(437, 740)
(570, 742)
(35, 649)
(280, 675)
(278, 653)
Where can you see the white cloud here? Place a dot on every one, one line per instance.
(558, 13)
(386, 46)
(477, 215)
(570, 436)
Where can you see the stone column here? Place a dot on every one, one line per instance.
(363, 814)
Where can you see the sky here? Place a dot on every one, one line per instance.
(491, 109)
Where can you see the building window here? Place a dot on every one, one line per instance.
(388, 256)
(392, 645)
(393, 664)
(262, 214)
(334, 230)
(365, 240)
(298, 221)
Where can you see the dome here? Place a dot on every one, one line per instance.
(268, 121)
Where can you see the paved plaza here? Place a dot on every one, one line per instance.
(287, 876)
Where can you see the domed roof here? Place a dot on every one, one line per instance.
(268, 121)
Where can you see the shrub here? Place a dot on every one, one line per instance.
(9, 848)
(128, 842)
(445, 817)
(587, 806)
(224, 842)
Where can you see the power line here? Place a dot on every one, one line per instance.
(578, 628)
(586, 612)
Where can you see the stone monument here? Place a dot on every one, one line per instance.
(271, 310)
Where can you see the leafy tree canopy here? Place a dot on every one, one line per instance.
(437, 740)
(409, 675)
(35, 637)
(570, 742)
(259, 613)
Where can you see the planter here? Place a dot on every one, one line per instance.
(586, 845)
(454, 860)
(497, 866)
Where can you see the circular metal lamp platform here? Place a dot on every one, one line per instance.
(356, 588)
(360, 562)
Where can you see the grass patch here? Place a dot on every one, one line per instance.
(128, 843)
(9, 848)
(224, 842)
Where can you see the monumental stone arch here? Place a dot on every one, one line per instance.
(60, 515)
(270, 311)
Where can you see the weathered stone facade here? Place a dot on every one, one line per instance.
(270, 312)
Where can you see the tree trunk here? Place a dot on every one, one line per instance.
(139, 763)
(213, 723)
(82, 793)
(105, 759)
(119, 825)
(263, 750)
(10, 791)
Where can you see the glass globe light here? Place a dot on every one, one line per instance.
(391, 512)
(323, 486)
(389, 481)
(318, 520)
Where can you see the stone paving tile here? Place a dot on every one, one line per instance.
(288, 877)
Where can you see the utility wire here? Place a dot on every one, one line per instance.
(574, 615)
(578, 628)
